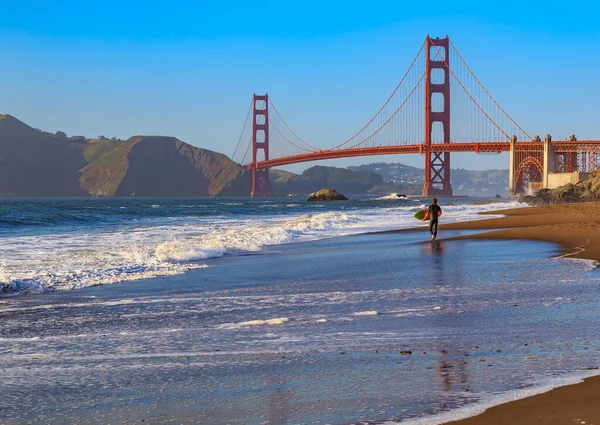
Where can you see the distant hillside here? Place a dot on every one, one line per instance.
(163, 166)
(406, 179)
(319, 177)
(33, 163)
(36, 163)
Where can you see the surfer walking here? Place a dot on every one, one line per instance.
(433, 212)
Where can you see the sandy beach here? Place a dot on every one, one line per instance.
(576, 227)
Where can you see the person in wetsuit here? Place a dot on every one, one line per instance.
(433, 212)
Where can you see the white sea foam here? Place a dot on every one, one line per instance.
(80, 259)
(275, 321)
(249, 238)
(587, 264)
(392, 196)
(495, 400)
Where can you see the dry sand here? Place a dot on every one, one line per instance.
(576, 227)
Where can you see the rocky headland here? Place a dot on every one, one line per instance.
(588, 190)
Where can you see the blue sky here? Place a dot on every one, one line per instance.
(189, 68)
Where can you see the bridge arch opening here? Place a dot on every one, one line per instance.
(260, 136)
(437, 53)
(528, 173)
(437, 132)
(437, 102)
(260, 155)
(261, 119)
(438, 76)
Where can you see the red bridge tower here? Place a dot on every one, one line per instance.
(261, 186)
(437, 164)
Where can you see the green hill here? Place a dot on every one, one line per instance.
(163, 166)
(36, 163)
(318, 177)
(95, 148)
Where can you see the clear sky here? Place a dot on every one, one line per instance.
(188, 68)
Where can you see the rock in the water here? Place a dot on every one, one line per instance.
(326, 195)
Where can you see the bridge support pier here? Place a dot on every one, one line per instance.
(437, 164)
(549, 160)
(261, 186)
(511, 167)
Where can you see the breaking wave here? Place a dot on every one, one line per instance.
(59, 262)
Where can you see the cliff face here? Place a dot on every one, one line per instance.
(163, 166)
(33, 163)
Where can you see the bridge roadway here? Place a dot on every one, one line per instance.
(559, 146)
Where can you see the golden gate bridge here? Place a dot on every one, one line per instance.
(439, 107)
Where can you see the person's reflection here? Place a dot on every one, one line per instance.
(433, 248)
(434, 251)
(443, 367)
(278, 402)
(437, 248)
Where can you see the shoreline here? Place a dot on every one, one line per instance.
(542, 404)
(576, 228)
(570, 403)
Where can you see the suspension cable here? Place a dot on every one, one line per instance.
(397, 110)
(385, 104)
(288, 140)
(474, 101)
(243, 129)
(484, 89)
(393, 115)
(246, 153)
(289, 128)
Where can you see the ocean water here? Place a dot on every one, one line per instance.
(279, 312)
(62, 244)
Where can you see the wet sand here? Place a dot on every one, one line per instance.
(573, 404)
(576, 227)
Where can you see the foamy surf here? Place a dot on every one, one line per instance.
(48, 259)
(256, 322)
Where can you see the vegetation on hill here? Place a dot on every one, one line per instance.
(315, 178)
(37, 163)
(405, 179)
(163, 166)
(95, 148)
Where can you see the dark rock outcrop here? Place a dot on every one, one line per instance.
(588, 190)
(326, 195)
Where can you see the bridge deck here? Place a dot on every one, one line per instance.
(476, 147)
